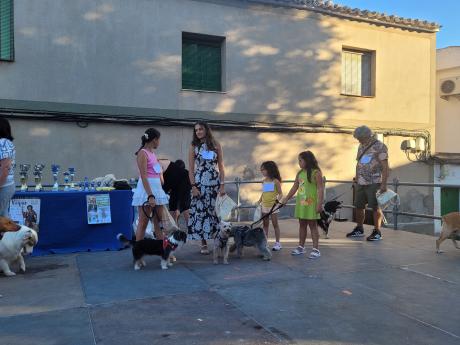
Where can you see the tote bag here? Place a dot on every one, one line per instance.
(224, 207)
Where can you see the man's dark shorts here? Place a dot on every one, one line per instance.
(365, 195)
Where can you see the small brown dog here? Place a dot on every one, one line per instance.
(221, 245)
(450, 229)
(6, 225)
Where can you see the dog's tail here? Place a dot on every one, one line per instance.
(125, 241)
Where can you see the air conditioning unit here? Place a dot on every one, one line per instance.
(449, 87)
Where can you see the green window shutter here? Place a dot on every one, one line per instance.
(201, 65)
(6, 30)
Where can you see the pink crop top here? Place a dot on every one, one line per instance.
(152, 164)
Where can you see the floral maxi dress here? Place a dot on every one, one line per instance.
(203, 222)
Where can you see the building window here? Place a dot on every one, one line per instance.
(6, 30)
(357, 72)
(202, 62)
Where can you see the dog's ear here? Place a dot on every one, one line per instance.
(28, 235)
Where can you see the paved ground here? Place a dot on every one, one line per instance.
(397, 291)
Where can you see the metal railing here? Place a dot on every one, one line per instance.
(395, 211)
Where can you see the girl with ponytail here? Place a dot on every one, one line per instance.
(149, 184)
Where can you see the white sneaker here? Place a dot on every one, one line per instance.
(315, 254)
(277, 246)
(298, 251)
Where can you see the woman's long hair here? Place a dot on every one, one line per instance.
(272, 170)
(149, 135)
(310, 161)
(5, 129)
(208, 139)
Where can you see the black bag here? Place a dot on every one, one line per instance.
(121, 185)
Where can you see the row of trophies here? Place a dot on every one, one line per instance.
(69, 175)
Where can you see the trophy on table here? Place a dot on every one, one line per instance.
(132, 182)
(72, 175)
(55, 170)
(66, 181)
(38, 173)
(23, 170)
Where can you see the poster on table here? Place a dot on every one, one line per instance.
(25, 211)
(98, 209)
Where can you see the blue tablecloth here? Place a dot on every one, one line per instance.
(64, 224)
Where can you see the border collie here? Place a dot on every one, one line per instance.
(149, 246)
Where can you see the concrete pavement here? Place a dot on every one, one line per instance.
(396, 291)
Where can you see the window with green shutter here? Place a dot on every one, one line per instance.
(202, 62)
(357, 72)
(6, 30)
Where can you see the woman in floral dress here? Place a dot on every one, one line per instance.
(206, 173)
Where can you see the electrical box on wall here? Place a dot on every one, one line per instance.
(408, 145)
(420, 144)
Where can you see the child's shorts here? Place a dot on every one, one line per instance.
(266, 209)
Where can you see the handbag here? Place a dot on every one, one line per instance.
(388, 198)
(257, 213)
(166, 220)
(224, 207)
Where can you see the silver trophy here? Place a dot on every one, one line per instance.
(72, 176)
(23, 175)
(55, 171)
(132, 183)
(66, 181)
(38, 173)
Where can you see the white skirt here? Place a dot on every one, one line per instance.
(140, 196)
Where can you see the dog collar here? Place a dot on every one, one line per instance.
(167, 243)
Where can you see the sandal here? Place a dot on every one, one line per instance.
(315, 254)
(204, 250)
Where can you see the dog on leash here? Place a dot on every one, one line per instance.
(221, 245)
(148, 246)
(246, 236)
(6, 225)
(450, 229)
(327, 215)
(14, 245)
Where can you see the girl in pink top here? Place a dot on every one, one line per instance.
(149, 184)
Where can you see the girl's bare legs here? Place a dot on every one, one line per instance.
(142, 224)
(302, 232)
(157, 229)
(313, 225)
(186, 216)
(175, 215)
(266, 224)
(276, 227)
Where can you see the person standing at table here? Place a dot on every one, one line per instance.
(7, 159)
(149, 185)
(177, 185)
(206, 173)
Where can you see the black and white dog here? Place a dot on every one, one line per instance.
(246, 236)
(149, 246)
(327, 215)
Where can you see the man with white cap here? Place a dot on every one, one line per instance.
(371, 176)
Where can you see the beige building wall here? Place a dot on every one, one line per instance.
(281, 65)
(448, 110)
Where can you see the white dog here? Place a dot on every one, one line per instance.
(221, 245)
(12, 247)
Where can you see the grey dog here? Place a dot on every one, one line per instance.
(245, 236)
